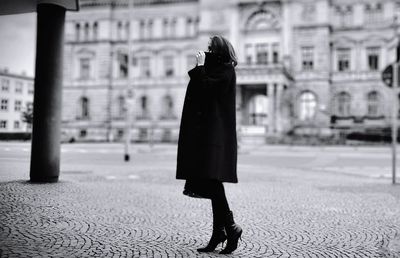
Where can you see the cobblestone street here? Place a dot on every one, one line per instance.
(286, 205)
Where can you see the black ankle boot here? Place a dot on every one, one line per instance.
(233, 232)
(218, 236)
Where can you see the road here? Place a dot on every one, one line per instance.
(290, 201)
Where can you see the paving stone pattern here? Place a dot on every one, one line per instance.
(138, 211)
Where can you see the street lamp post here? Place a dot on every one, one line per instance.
(130, 93)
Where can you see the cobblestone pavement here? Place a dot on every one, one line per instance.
(103, 207)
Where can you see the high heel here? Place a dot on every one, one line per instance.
(218, 237)
(234, 233)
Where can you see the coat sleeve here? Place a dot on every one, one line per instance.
(216, 81)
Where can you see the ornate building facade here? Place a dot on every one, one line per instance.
(309, 66)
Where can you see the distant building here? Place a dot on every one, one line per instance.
(304, 66)
(16, 96)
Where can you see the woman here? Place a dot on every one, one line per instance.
(207, 146)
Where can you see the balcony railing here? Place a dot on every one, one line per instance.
(262, 69)
(356, 75)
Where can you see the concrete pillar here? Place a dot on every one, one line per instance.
(45, 154)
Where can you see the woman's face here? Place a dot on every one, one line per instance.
(209, 45)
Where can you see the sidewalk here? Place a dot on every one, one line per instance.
(103, 207)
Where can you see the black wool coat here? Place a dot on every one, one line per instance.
(207, 145)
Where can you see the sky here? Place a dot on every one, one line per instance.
(18, 43)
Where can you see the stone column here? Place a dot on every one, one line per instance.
(278, 120)
(45, 153)
(271, 108)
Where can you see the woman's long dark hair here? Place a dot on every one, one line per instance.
(221, 46)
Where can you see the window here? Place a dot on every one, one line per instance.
(308, 106)
(17, 105)
(345, 15)
(189, 27)
(373, 100)
(373, 12)
(30, 89)
(5, 85)
(123, 65)
(119, 30)
(248, 50)
(120, 133)
(262, 53)
(86, 31)
(258, 106)
(343, 104)
(168, 107)
(121, 106)
(143, 103)
(144, 112)
(196, 24)
(275, 53)
(82, 133)
(127, 30)
(77, 31)
(16, 124)
(168, 66)
(29, 106)
(150, 29)
(343, 57)
(143, 134)
(4, 105)
(141, 29)
(145, 66)
(18, 87)
(373, 58)
(84, 68)
(95, 31)
(3, 124)
(84, 108)
(165, 27)
(307, 58)
(166, 135)
(173, 28)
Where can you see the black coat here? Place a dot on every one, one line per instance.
(207, 145)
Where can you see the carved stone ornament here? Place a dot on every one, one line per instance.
(309, 12)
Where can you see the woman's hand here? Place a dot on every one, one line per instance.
(201, 58)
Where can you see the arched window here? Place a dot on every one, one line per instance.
(373, 100)
(95, 30)
(343, 104)
(84, 108)
(86, 31)
(258, 106)
(307, 105)
(261, 19)
(77, 31)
